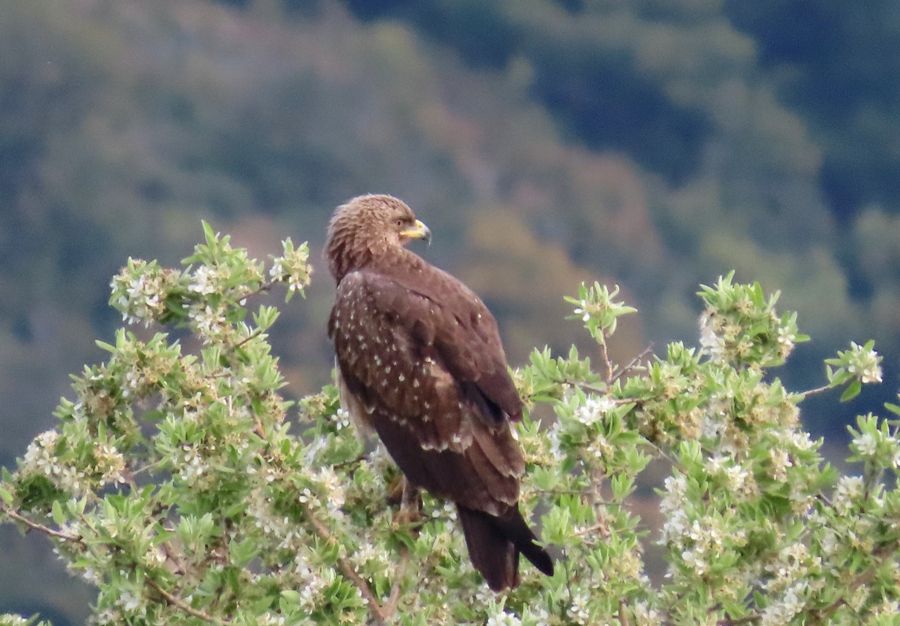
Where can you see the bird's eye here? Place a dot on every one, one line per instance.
(399, 223)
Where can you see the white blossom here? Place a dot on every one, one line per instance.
(208, 323)
(129, 601)
(584, 310)
(593, 409)
(646, 616)
(866, 444)
(205, 280)
(191, 464)
(799, 439)
(41, 459)
(711, 339)
(786, 339)
(293, 268)
(501, 618)
(553, 436)
(372, 555)
(91, 576)
(865, 363)
(849, 489)
(140, 297)
(676, 493)
(41, 454)
(110, 463)
(781, 461)
(341, 418)
(578, 610)
(784, 609)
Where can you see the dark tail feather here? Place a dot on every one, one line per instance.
(494, 545)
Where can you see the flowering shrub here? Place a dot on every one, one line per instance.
(175, 484)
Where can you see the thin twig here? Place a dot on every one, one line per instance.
(256, 333)
(258, 427)
(623, 618)
(811, 392)
(607, 362)
(618, 373)
(182, 605)
(589, 529)
(171, 599)
(577, 492)
(264, 287)
(585, 385)
(390, 607)
(171, 554)
(145, 468)
(823, 498)
(749, 619)
(662, 453)
(40, 527)
(820, 616)
(346, 568)
(410, 505)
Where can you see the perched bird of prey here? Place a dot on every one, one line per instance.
(420, 362)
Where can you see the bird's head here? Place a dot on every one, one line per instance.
(368, 228)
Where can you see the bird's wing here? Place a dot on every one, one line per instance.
(429, 374)
(449, 316)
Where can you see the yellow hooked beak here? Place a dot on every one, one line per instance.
(419, 231)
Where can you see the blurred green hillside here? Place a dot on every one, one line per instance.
(652, 143)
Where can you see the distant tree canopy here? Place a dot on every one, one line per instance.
(647, 142)
(837, 63)
(590, 85)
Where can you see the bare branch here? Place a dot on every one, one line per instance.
(39, 527)
(817, 390)
(633, 363)
(607, 362)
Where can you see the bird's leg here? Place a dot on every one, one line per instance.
(412, 498)
(410, 507)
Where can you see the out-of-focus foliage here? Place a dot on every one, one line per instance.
(837, 63)
(752, 125)
(174, 485)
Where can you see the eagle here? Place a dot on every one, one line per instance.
(420, 363)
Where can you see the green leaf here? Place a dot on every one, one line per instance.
(209, 233)
(105, 346)
(852, 391)
(59, 516)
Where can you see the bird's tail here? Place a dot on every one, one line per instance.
(495, 543)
